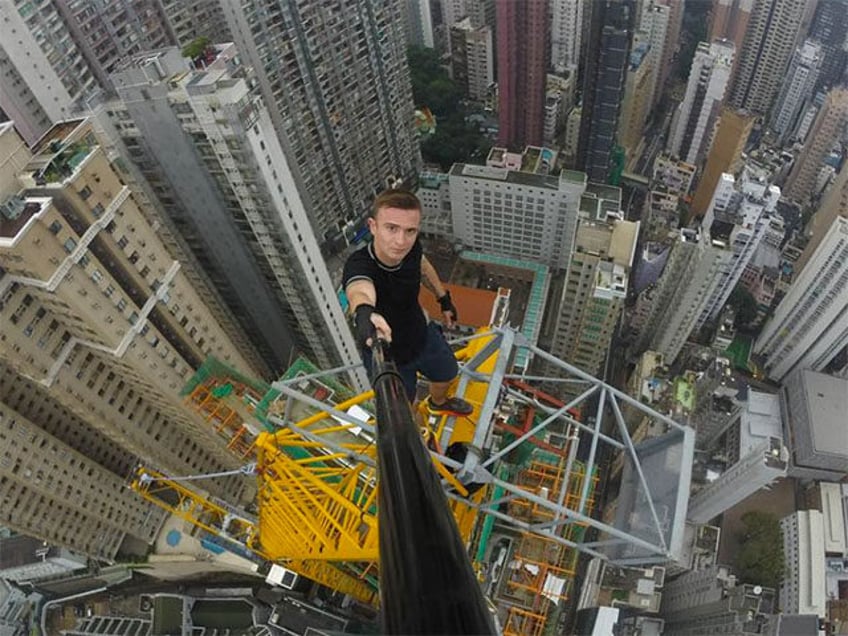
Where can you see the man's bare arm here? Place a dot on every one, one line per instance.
(430, 278)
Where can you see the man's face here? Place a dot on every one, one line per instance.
(394, 231)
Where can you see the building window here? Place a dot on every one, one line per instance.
(55, 227)
(70, 244)
(85, 193)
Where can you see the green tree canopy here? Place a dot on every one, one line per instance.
(745, 305)
(760, 559)
(196, 47)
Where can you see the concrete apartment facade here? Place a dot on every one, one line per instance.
(695, 119)
(98, 313)
(517, 214)
(803, 587)
(335, 80)
(809, 328)
(594, 292)
(205, 140)
(737, 220)
(798, 88)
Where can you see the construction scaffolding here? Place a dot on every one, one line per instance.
(524, 463)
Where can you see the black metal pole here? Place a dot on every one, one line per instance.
(427, 584)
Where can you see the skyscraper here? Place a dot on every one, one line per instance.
(810, 325)
(827, 129)
(638, 95)
(594, 291)
(694, 122)
(59, 54)
(566, 34)
(205, 142)
(335, 80)
(737, 220)
(797, 89)
(770, 39)
(834, 204)
(604, 76)
(472, 58)
(730, 21)
(522, 71)
(101, 326)
(732, 133)
(830, 29)
(692, 273)
(418, 21)
(756, 457)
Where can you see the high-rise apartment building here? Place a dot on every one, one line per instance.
(205, 142)
(43, 71)
(803, 589)
(834, 205)
(711, 601)
(695, 119)
(828, 128)
(810, 325)
(566, 34)
(604, 74)
(729, 21)
(731, 135)
(666, 21)
(770, 39)
(830, 29)
(691, 274)
(191, 19)
(472, 58)
(797, 89)
(418, 22)
(737, 220)
(756, 457)
(335, 80)
(516, 214)
(522, 71)
(638, 95)
(54, 56)
(594, 291)
(106, 326)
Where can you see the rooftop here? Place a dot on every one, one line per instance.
(473, 305)
(507, 176)
(827, 401)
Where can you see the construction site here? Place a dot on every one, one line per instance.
(522, 475)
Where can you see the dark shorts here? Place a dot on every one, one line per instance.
(436, 362)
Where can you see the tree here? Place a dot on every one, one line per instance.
(745, 305)
(196, 47)
(760, 558)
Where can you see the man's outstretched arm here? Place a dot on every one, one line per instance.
(362, 297)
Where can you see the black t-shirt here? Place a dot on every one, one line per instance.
(397, 296)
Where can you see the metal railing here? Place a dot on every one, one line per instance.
(427, 584)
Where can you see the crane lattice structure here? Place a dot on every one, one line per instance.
(524, 460)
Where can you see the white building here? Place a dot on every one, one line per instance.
(566, 33)
(755, 448)
(737, 218)
(798, 87)
(810, 325)
(516, 214)
(803, 587)
(472, 58)
(833, 517)
(695, 118)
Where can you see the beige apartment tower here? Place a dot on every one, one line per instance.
(730, 139)
(827, 130)
(104, 326)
